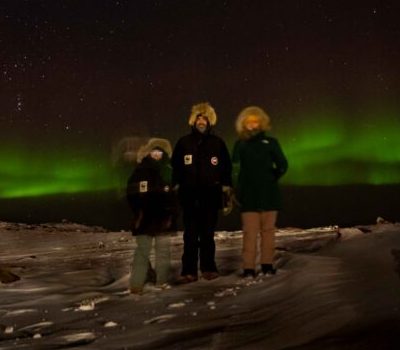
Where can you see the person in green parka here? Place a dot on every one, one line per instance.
(262, 163)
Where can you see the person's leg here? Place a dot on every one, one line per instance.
(207, 220)
(140, 263)
(251, 222)
(190, 243)
(267, 246)
(163, 258)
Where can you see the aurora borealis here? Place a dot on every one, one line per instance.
(27, 173)
(324, 152)
(78, 76)
(327, 152)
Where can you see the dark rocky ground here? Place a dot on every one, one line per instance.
(335, 289)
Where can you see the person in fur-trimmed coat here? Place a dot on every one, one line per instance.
(202, 172)
(262, 163)
(152, 203)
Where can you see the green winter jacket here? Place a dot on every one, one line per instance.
(262, 163)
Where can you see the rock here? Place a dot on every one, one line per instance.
(9, 329)
(347, 233)
(380, 220)
(87, 306)
(7, 276)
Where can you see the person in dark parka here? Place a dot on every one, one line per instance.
(152, 203)
(201, 172)
(262, 163)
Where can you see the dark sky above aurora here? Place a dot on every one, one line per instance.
(78, 76)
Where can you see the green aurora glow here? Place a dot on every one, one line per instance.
(329, 152)
(324, 152)
(24, 174)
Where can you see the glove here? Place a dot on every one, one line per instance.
(226, 189)
(227, 199)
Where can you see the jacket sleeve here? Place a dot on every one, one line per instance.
(236, 163)
(226, 166)
(132, 196)
(235, 153)
(176, 163)
(281, 164)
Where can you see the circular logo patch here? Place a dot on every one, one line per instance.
(214, 160)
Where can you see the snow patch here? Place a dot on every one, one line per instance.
(9, 330)
(110, 324)
(176, 305)
(79, 337)
(159, 319)
(19, 312)
(37, 326)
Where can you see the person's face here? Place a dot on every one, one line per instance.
(201, 123)
(252, 123)
(156, 154)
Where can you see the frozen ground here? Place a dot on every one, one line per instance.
(335, 289)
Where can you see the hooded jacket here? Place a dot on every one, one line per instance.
(201, 163)
(262, 163)
(149, 191)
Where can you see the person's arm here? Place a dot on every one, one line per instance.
(133, 196)
(235, 153)
(280, 161)
(236, 163)
(135, 202)
(226, 166)
(176, 163)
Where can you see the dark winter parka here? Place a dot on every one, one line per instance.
(201, 166)
(150, 197)
(262, 163)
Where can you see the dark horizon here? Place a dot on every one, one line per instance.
(304, 207)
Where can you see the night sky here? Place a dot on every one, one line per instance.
(79, 76)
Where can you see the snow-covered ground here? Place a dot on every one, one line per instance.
(335, 288)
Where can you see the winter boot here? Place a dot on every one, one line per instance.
(210, 275)
(268, 269)
(187, 279)
(249, 273)
(136, 289)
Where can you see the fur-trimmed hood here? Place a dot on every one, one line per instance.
(144, 151)
(252, 110)
(204, 109)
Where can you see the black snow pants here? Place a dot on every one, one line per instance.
(198, 237)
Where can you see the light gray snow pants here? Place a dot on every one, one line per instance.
(140, 263)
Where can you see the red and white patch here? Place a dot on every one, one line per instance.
(214, 160)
